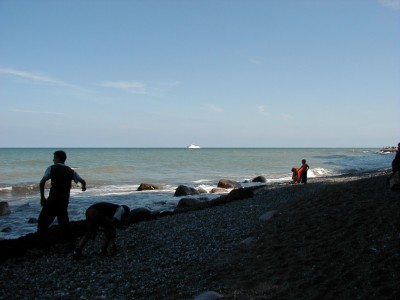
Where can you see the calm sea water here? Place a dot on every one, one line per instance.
(115, 174)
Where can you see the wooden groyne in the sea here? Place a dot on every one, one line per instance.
(388, 149)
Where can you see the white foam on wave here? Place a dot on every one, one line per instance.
(6, 189)
(201, 180)
(117, 190)
(206, 184)
(318, 172)
(311, 173)
(279, 180)
(208, 188)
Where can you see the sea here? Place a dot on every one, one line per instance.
(114, 174)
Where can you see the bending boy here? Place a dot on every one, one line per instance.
(108, 216)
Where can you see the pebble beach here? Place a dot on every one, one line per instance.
(334, 238)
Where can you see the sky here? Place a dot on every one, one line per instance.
(218, 73)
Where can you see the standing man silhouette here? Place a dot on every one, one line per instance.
(56, 204)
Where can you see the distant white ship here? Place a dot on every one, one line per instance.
(193, 146)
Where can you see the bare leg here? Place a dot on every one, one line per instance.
(92, 219)
(109, 238)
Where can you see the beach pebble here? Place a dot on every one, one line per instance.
(182, 255)
(267, 216)
(248, 242)
(209, 295)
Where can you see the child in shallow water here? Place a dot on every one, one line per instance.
(304, 168)
(296, 175)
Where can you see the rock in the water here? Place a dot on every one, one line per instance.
(148, 187)
(228, 184)
(5, 229)
(218, 190)
(4, 209)
(184, 190)
(259, 179)
(202, 190)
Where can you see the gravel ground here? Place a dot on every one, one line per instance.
(179, 256)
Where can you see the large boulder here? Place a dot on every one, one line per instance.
(184, 190)
(259, 179)
(138, 214)
(228, 184)
(239, 194)
(148, 187)
(4, 209)
(218, 190)
(235, 194)
(192, 203)
(202, 190)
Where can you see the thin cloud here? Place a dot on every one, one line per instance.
(254, 61)
(35, 112)
(394, 4)
(262, 109)
(286, 117)
(139, 87)
(134, 86)
(171, 84)
(131, 86)
(40, 78)
(251, 60)
(31, 76)
(214, 108)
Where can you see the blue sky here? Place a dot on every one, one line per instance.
(248, 73)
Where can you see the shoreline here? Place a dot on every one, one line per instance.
(144, 214)
(229, 250)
